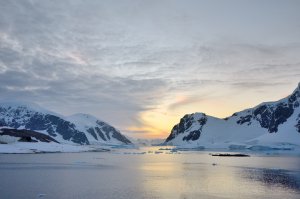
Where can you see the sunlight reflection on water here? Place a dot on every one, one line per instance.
(135, 174)
(197, 175)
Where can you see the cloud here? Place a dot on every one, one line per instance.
(118, 60)
(257, 85)
(185, 101)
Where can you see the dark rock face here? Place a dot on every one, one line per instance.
(246, 119)
(193, 135)
(185, 123)
(100, 133)
(271, 115)
(62, 127)
(202, 121)
(298, 124)
(27, 139)
(106, 132)
(92, 132)
(117, 135)
(27, 135)
(265, 114)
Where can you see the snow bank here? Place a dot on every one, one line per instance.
(41, 147)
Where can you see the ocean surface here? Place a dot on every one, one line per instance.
(149, 173)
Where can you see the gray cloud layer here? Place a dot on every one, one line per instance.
(116, 59)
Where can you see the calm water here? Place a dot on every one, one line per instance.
(118, 174)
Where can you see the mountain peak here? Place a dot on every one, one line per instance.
(83, 118)
(23, 104)
(296, 93)
(297, 88)
(27, 105)
(19, 104)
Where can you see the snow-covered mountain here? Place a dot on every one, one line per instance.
(79, 128)
(268, 124)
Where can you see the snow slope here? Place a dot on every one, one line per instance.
(274, 124)
(42, 147)
(97, 131)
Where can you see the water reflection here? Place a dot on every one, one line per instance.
(133, 174)
(193, 176)
(193, 181)
(274, 178)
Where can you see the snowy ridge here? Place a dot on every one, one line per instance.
(79, 128)
(273, 124)
(97, 131)
(32, 107)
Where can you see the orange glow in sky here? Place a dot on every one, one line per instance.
(158, 122)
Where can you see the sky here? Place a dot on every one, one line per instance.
(141, 65)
